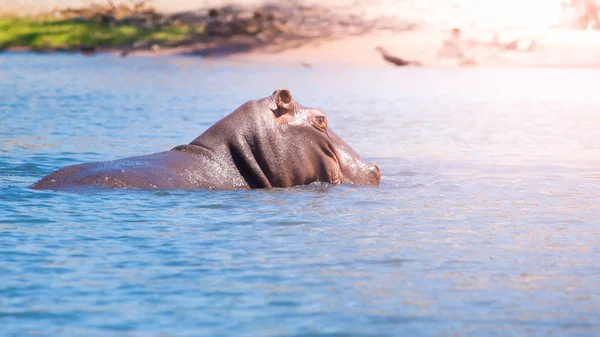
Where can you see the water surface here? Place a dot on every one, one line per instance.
(485, 223)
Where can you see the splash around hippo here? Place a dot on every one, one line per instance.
(271, 142)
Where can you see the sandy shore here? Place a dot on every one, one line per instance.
(553, 46)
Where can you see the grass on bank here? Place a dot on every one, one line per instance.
(71, 34)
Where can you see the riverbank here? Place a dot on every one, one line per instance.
(217, 31)
(298, 34)
(552, 47)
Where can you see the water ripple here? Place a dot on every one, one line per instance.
(485, 223)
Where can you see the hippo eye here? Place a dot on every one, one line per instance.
(320, 122)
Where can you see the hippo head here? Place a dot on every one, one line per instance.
(276, 142)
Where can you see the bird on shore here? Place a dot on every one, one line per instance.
(513, 45)
(396, 60)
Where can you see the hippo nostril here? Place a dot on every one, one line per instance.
(375, 168)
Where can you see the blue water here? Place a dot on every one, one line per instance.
(486, 222)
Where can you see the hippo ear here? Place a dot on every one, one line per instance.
(283, 98)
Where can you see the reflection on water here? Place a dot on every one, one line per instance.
(485, 222)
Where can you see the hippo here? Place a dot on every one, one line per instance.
(273, 142)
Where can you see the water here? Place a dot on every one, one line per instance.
(485, 223)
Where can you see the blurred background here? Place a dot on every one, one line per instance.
(431, 32)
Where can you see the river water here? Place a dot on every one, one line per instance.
(486, 222)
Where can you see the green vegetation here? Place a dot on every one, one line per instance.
(71, 34)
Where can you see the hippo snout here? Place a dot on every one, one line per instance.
(375, 175)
